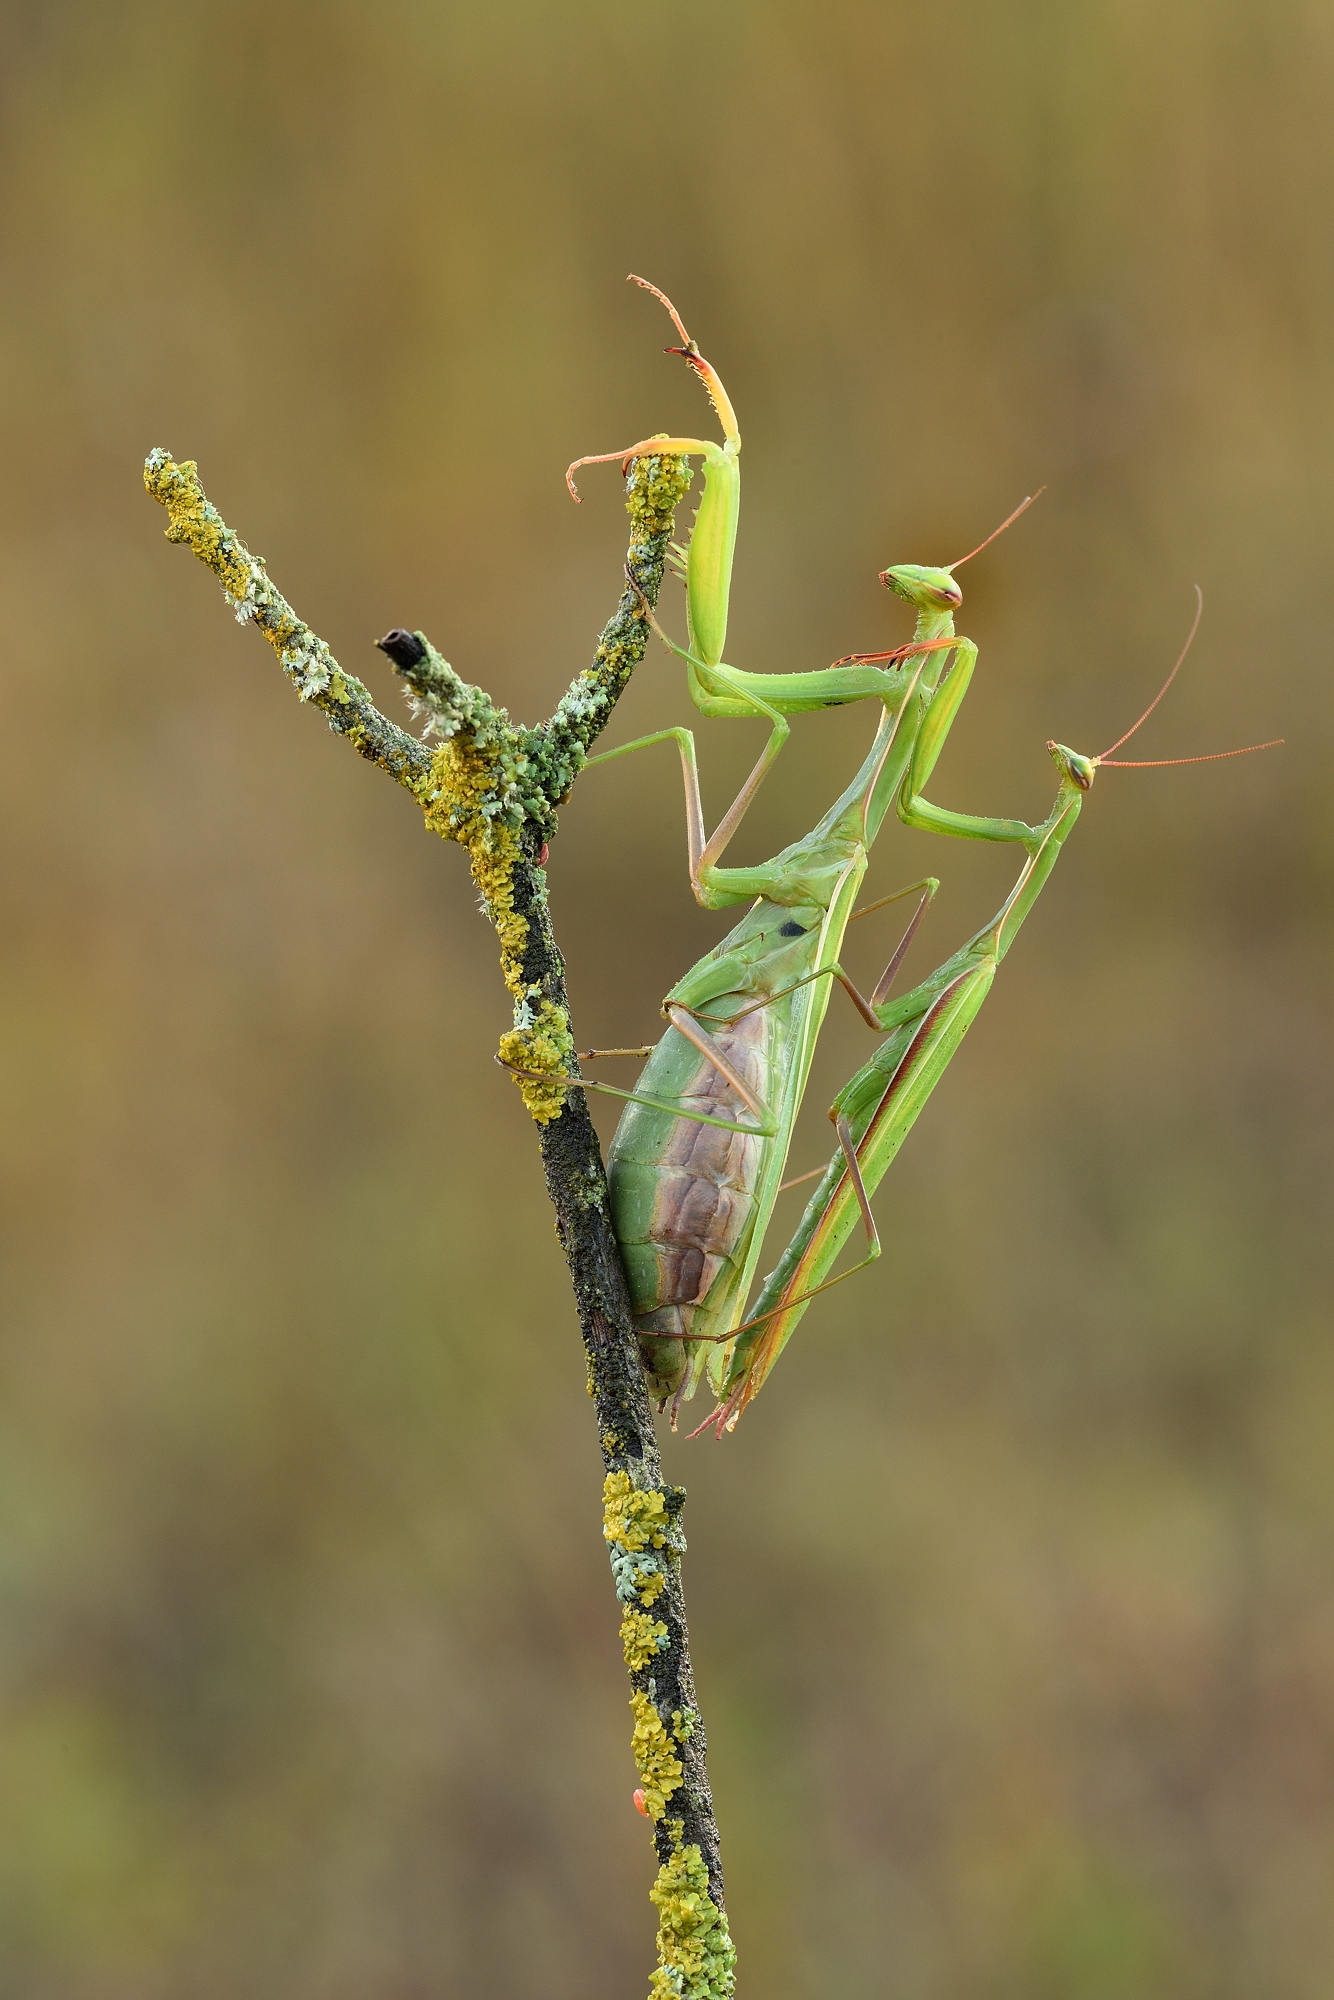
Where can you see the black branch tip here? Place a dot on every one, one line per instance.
(405, 649)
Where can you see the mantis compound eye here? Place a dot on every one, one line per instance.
(640, 1805)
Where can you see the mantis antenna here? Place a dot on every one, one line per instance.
(1159, 763)
(1009, 520)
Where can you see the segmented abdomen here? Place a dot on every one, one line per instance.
(682, 1193)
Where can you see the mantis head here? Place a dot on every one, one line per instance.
(1071, 765)
(1080, 770)
(925, 589)
(929, 589)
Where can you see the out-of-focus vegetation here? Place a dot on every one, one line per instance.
(1013, 1597)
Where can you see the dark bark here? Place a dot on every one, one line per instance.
(577, 1183)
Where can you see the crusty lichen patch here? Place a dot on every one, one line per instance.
(696, 1956)
(633, 1517)
(643, 1638)
(696, 1960)
(660, 1769)
(547, 1045)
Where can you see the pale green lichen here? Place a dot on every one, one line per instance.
(634, 1523)
(696, 1956)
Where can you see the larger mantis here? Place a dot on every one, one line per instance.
(693, 1187)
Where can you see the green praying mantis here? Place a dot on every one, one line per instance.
(697, 1161)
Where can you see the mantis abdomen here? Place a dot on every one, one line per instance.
(683, 1194)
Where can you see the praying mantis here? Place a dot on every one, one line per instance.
(876, 1110)
(692, 1187)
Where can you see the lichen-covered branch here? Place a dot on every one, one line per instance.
(304, 656)
(495, 786)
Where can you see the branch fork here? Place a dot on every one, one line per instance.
(495, 786)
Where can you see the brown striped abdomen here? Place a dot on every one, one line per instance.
(703, 1185)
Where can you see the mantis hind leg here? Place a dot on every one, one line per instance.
(727, 1410)
(847, 1147)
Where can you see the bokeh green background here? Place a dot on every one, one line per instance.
(1013, 1597)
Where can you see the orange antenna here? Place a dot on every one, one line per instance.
(1007, 522)
(1160, 763)
(1157, 763)
(1181, 656)
(676, 317)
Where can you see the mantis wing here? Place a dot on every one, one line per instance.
(882, 1104)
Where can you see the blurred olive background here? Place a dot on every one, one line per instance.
(1013, 1597)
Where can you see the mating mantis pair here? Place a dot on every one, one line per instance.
(697, 1161)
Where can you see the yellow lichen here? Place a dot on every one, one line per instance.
(651, 1589)
(696, 1957)
(195, 521)
(641, 1637)
(659, 1767)
(547, 1045)
(632, 1517)
(696, 1960)
(463, 780)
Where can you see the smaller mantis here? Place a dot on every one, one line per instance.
(876, 1110)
